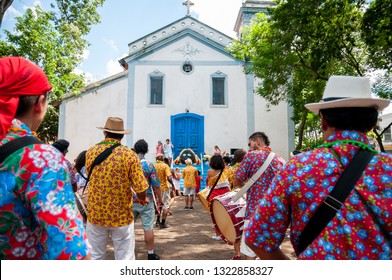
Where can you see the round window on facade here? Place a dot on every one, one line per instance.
(187, 67)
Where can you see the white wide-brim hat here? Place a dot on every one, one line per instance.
(115, 125)
(345, 92)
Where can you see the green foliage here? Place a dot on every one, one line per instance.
(54, 40)
(377, 33)
(296, 48)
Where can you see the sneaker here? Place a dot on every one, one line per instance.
(191, 208)
(186, 208)
(157, 224)
(216, 237)
(163, 226)
(153, 257)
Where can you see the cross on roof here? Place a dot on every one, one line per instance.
(188, 5)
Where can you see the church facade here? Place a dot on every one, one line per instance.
(180, 83)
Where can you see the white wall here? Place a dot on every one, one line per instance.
(81, 116)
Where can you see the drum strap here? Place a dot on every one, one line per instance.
(213, 187)
(254, 178)
(16, 144)
(98, 160)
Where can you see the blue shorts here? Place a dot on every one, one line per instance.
(146, 213)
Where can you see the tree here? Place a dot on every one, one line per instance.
(295, 49)
(55, 41)
(377, 33)
(4, 5)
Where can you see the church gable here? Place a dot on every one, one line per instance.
(187, 47)
(185, 27)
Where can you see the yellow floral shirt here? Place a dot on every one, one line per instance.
(189, 174)
(110, 194)
(163, 172)
(225, 176)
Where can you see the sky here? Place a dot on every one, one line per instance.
(124, 21)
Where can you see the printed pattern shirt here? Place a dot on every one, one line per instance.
(250, 164)
(110, 193)
(189, 174)
(303, 185)
(163, 171)
(39, 218)
(71, 171)
(150, 173)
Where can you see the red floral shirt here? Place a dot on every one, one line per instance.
(302, 186)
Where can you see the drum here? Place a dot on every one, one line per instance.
(82, 205)
(228, 216)
(202, 195)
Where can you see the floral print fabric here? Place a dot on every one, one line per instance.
(38, 215)
(163, 172)
(302, 186)
(189, 174)
(250, 164)
(110, 193)
(150, 173)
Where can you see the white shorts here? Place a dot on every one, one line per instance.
(166, 198)
(244, 248)
(123, 241)
(189, 191)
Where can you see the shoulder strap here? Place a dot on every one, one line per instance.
(254, 178)
(98, 160)
(334, 201)
(16, 144)
(213, 187)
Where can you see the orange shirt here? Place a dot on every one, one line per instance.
(110, 194)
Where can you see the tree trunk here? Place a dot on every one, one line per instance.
(301, 130)
(379, 137)
(4, 5)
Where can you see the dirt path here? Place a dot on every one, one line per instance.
(188, 237)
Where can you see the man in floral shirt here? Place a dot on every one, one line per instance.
(348, 112)
(39, 218)
(258, 153)
(110, 196)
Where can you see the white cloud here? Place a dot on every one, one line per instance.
(219, 14)
(113, 66)
(111, 43)
(86, 54)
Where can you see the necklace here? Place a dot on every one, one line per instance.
(352, 142)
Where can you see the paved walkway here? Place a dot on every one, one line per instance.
(188, 237)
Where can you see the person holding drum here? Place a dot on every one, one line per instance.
(37, 206)
(258, 153)
(217, 181)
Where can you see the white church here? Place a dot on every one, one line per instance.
(180, 82)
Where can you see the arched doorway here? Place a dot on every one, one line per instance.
(187, 131)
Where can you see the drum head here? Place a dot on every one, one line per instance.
(223, 221)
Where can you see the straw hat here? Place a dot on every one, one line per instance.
(115, 125)
(347, 91)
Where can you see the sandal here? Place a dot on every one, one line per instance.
(235, 258)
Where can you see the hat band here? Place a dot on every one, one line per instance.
(332, 99)
(113, 129)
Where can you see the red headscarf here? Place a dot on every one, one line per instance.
(18, 76)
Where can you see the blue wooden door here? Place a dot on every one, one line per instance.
(187, 132)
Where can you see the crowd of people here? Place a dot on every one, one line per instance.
(336, 200)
